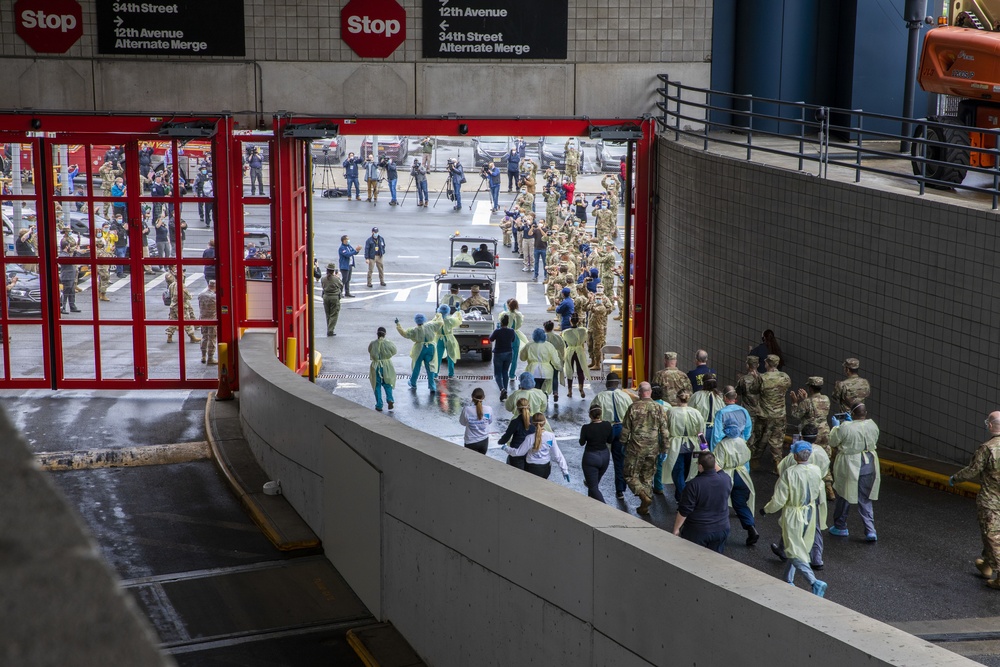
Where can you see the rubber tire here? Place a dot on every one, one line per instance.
(487, 355)
(956, 154)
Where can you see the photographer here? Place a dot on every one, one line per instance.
(419, 174)
(68, 275)
(392, 176)
(256, 164)
(351, 175)
(492, 172)
(457, 175)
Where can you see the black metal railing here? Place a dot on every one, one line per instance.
(939, 154)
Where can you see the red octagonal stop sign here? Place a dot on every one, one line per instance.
(373, 28)
(49, 26)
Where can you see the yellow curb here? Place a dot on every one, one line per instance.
(148, 455)
(361, 650)
(927, 478)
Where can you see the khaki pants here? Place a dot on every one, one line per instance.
(373, 189)
(372, 263)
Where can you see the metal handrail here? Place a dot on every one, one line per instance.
(824, 135)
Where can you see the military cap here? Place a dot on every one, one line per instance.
(670, 356)
(773, 359)
(852, 363)
(753, 360)
(815, 381)
(331, 267)
(475, 289)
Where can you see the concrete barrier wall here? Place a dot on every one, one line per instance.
(479, 563)
(837, 270)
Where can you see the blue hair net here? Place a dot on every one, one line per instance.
(419, 319)
(443, 309)
(565, 291)
(526, 381)
(538, 335)
(732, 430)
(801, 446)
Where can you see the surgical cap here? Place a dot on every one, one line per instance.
(526, 381)
(444, 309)
(419, 319)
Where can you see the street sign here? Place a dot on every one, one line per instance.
(49, 26)
(171, 27)
(515, 29)
(373, 28)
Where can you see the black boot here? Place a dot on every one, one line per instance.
(752, 536)
(779, 552)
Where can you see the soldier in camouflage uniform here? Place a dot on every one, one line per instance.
(175, 304)
(581, 302)
(552, 207)
(750, 400)
(572, 160)
(672, 379)
(607, 223)
(985, 469)
(772, 385)
(610, 185)
(103, 270)
(209, 332)
(551, 177)
(812, 407)
(645, 434)
(853, 389)
(598, 309)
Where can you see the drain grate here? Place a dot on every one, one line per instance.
(406, 376)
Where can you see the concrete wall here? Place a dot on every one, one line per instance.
(837, 270)
(479, 563)
(295, 61)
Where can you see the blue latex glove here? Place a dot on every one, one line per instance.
(834, 422)
(661, 457)
(566, 476)
(951, 481)
(848, 417)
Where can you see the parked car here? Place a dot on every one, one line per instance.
(329, 151)
(26, 295)
(388, 146)
(553, 149)
(490, 149)
(609, 154)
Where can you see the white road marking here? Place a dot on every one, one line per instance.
(120, 283)
(432, 293)
(521, 292)
(407, 256)
(482, 213)
(156, 281)
(403, 294)
(191, 278)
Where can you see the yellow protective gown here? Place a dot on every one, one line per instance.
(537, 402)
(448, 324)
(795, 495)
(516, 319)
(685, 425)
(854, 440)
(732, 455)
(821, 460)
(541, 359)
(381, 352)
(427, 334)
(576, 343)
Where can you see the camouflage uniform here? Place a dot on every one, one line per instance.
(851, 391)
(645, 433)
(551, 207)
(572, 161)
(607, 224)
(581, 302)
(188, 311)
(597, 326)
(985, 469)
(610, 184)
(814, 410)
(209, 333)
(103, 270)
(750, 400)
(672, 380)
(772, 387)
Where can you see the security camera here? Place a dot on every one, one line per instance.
(463, 128)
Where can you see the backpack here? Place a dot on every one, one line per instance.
(166, 297)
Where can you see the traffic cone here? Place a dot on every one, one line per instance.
(225, 391)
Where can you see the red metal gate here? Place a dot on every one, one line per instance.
(117, 331)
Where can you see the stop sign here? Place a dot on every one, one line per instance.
(373, 28)
(49, 26)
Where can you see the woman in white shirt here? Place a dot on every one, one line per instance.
(540, 450)
(477, 419)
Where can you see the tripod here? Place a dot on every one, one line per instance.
(327, 179)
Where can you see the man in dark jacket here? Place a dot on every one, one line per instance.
(351, 175)
(374, 251)
(513, 169)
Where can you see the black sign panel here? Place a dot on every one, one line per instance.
(495, 29)
(171, 27)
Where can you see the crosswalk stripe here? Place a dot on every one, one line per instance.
(402, 295)
(482, 214)
(432, 293)
(521, 291)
